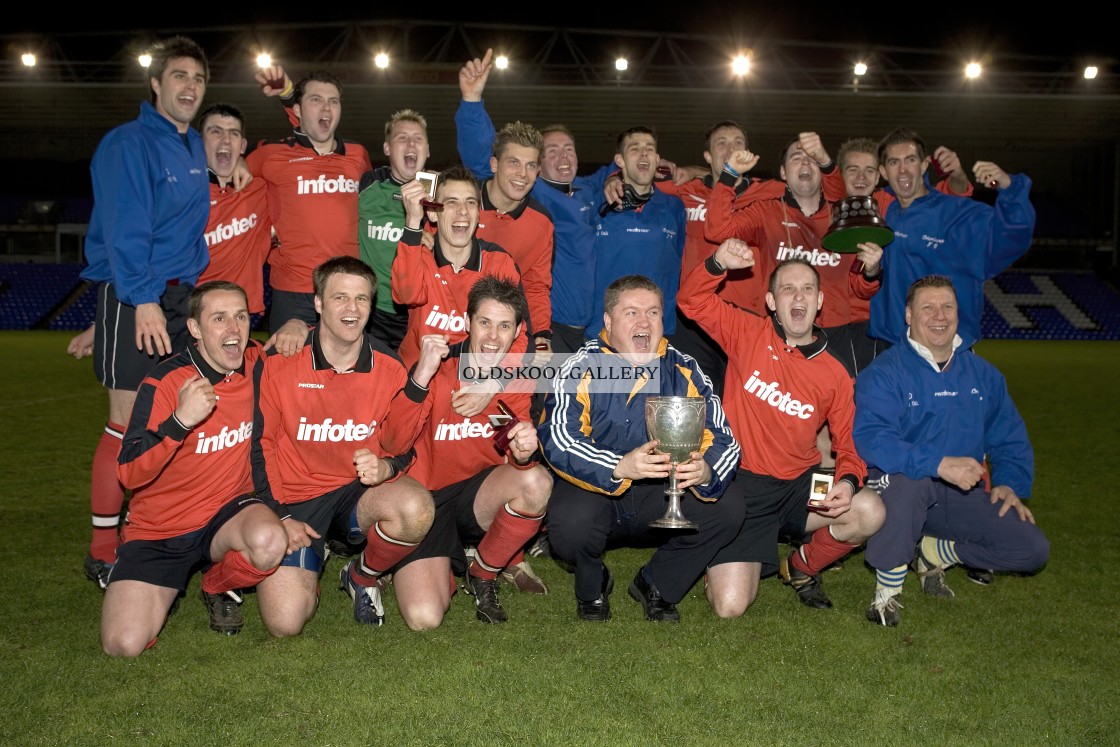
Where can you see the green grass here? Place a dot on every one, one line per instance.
(1025, 661)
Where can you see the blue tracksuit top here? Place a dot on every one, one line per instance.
(909, 416)
(151, 201)
(588, 424)
(647, 241)
(573, 217)
(966, 240)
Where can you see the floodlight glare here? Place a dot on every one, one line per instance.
(28, 59)
(1090, 72)
(741, 65)
(381, 60)
(501, 62)
(972, 70)
(145, 60)
(860, 69)
(621, 64)
(264, 59)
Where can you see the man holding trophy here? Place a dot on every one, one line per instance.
(613, 473)
(780, 390)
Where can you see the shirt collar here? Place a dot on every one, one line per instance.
(925, 354)
(792, 201)
(305, 141)
(319, 361)
(210, 373)
(474, 262)
(809, 349)
(488, 205)
(567, 188)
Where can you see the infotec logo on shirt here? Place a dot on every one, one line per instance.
(697, 213)
(451, 321)
(775, 397)
(235, 227)
(329, 430)
(226, 438)
(465, 429)
(816, 257)
(387, 232)
(325, 185)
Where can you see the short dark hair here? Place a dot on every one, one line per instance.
(173, 48)
(898, 136)
(518, 133)
(639, 130)
(785, 150)
(929, 281)
(221, 109)
(198, 295)
(456, 173)
(319, 76)
(343, 265)
(628, 283)
(856, 145)
(772, 285)
(719, 126)
(502, 290)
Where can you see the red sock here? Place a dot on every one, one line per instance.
(106, 495)
(821, 551)
(382, 553)
(234, 571)
(503, 540)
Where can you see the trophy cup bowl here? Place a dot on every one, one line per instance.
(856, 220)
(678, 425)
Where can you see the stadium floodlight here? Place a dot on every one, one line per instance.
(972, 70)
(860, 68)
(145, 60)
(741, 65)
(381, 60)
(1090, 72)
(28, 59)
(501, 62)
(264, 59)
(621, 64)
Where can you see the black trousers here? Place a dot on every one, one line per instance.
(582, 525)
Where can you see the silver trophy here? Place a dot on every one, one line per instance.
(678, 425)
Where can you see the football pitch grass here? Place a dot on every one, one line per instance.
(1027, 660)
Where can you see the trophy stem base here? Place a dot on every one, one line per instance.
(673, 518)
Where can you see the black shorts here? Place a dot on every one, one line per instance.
(454, 526)
(389, 328)
(329, 516)
(171, 562)
(288, 305)
(116, 360)
(853, 346)
(777, 510)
